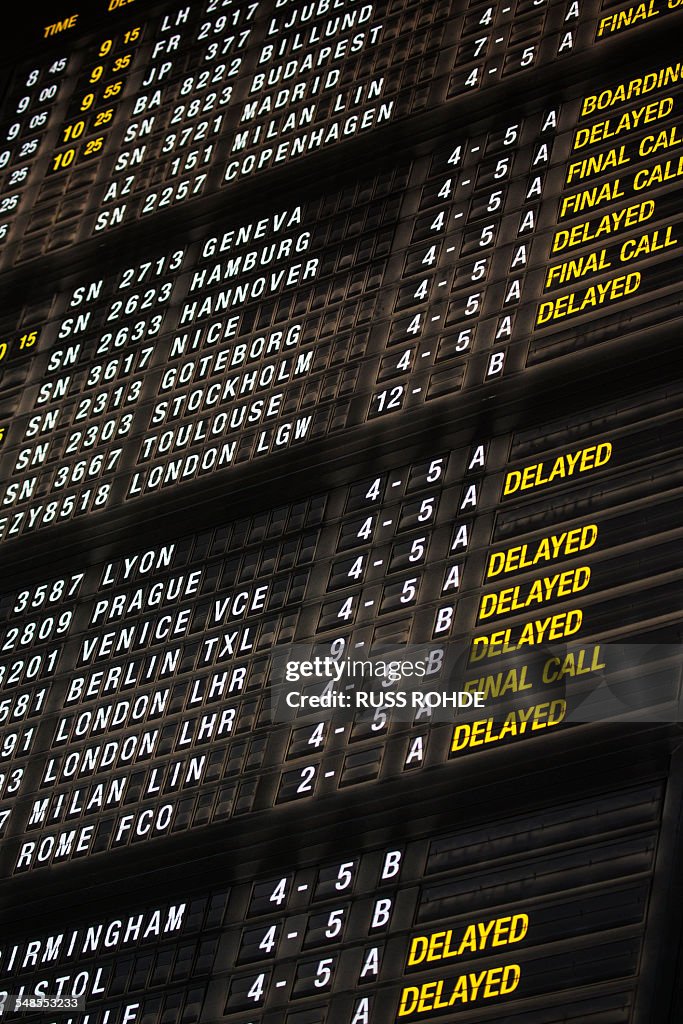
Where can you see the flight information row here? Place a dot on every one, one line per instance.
(177, 103)
(317, 318)
(432, 924)
(510, 475)
(152, 685)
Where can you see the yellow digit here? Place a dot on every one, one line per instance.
(61, 160)
(87, 101)
(73, 131)
(106, 47)
(94, 145)
(104, 117)
(112, 90)
(28, 340)
(96, 73)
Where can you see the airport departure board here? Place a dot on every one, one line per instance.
(340, 530)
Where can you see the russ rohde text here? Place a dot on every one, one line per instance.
(386, 699)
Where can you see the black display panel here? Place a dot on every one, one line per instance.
(339, 342)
